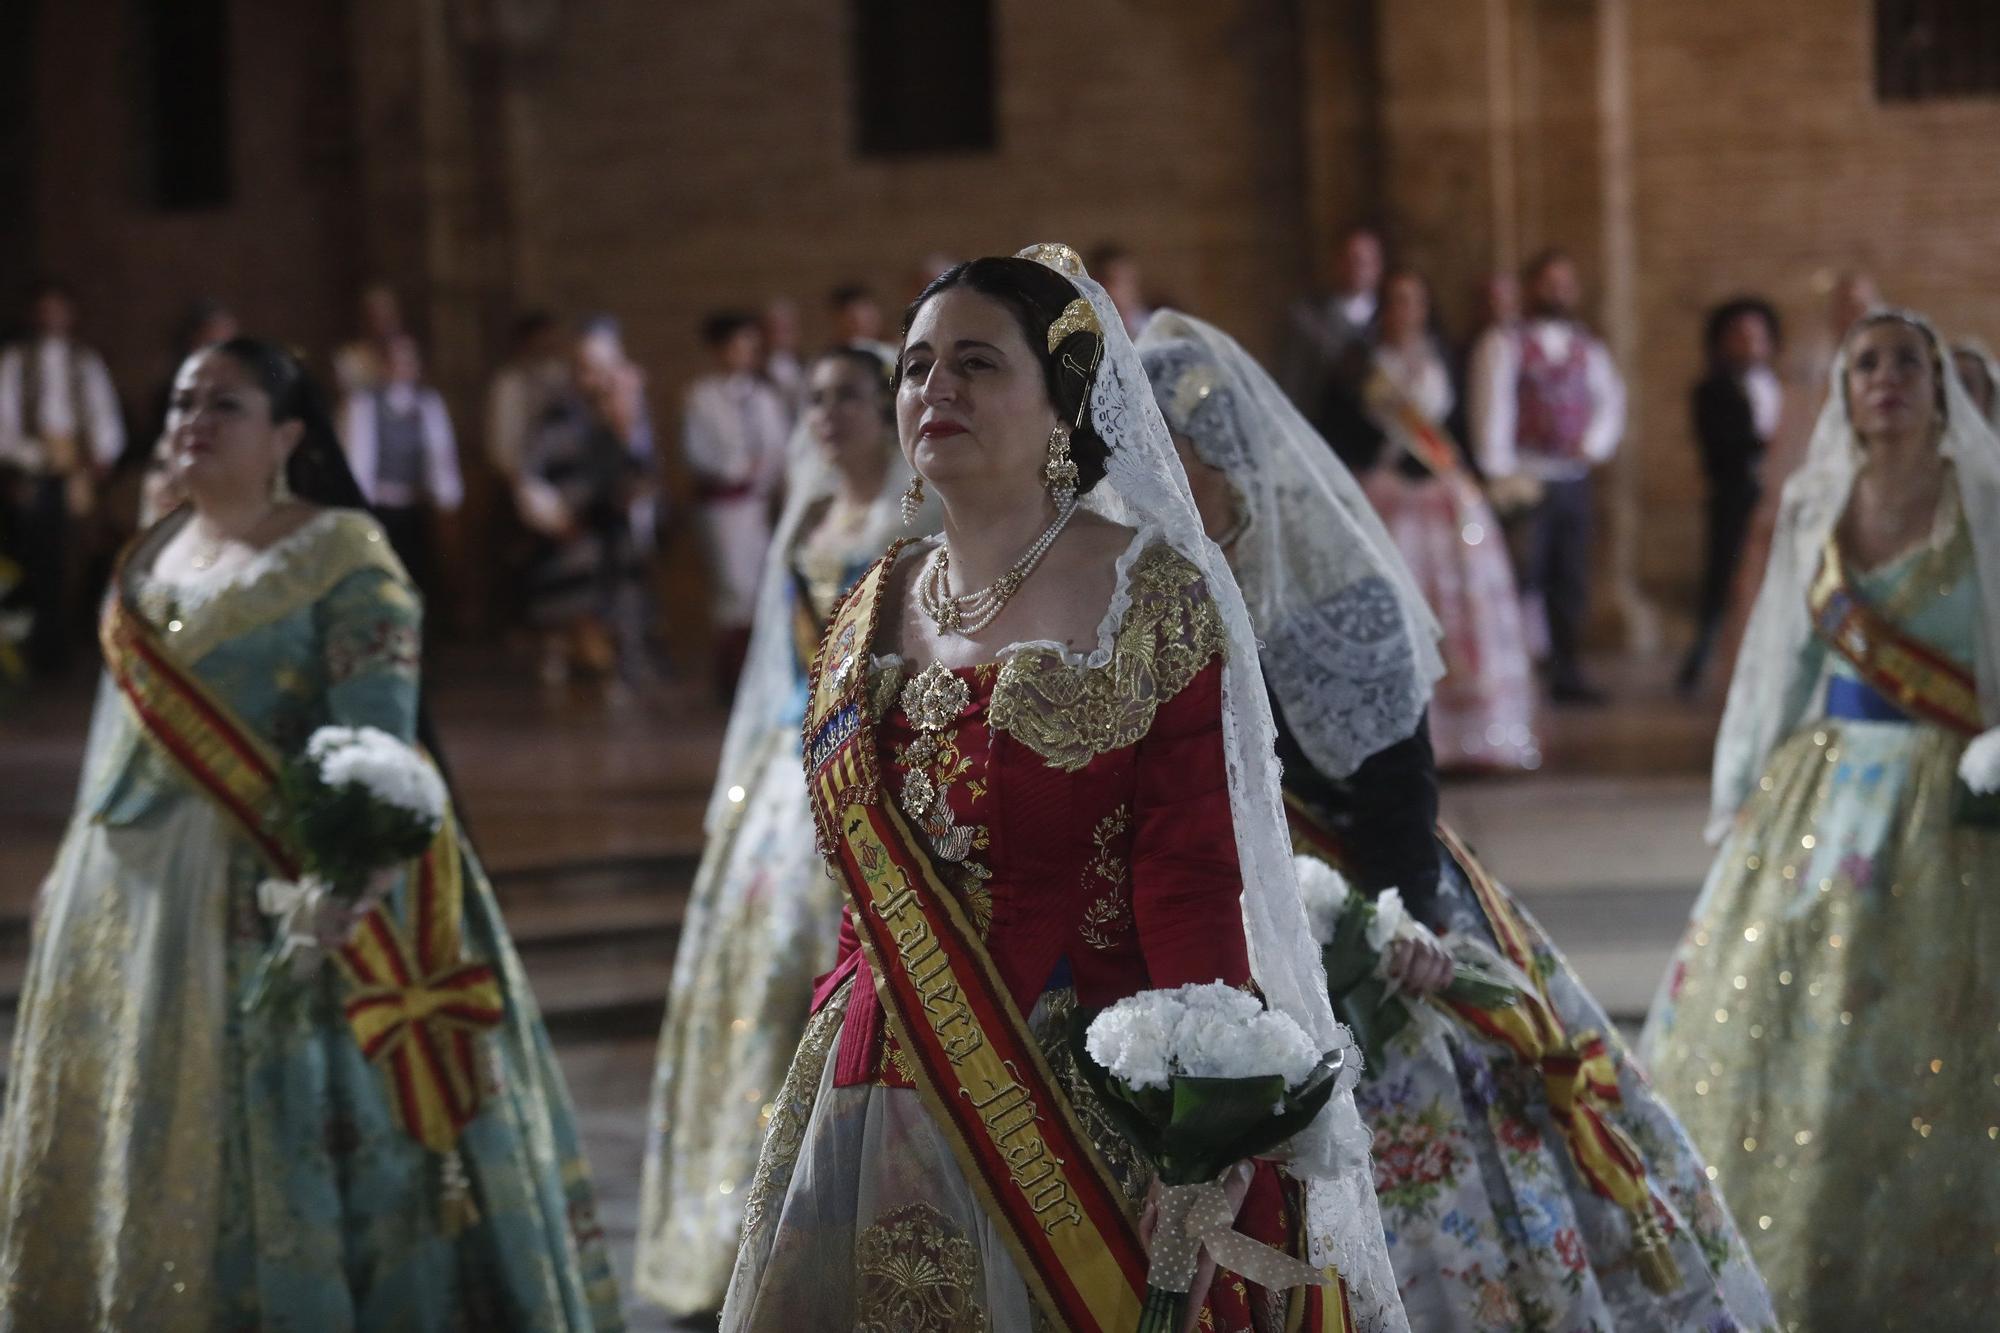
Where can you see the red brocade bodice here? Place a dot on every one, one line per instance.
(1079, 808)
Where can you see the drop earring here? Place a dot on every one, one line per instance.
(913, 500)
(1059, 472)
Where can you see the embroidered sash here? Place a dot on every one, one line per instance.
(414, 1003)
(976, 1065)
(1903, 669)
(1420, 439)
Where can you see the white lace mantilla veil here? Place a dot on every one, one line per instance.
(1769, 691)
(1145, 487)
(1978, 347)
(767, 692)
(1350, 645)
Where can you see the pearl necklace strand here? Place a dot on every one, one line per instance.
(968, 613)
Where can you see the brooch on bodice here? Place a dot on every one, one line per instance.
(934, 698)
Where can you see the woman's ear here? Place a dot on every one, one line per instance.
(287, 435)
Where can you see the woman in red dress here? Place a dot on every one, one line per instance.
(1040, 755)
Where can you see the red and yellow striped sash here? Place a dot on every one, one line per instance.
(1902, 668)
(976, 1064)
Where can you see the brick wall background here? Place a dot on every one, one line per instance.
(660, 160)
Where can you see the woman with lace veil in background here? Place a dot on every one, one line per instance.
(1044, 731)
(1827, 1028)
(394, 1149)
(764, 917)
(1493, 1216)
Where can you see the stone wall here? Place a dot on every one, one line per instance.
(1765, 163)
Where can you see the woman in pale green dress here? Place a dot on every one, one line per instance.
(175, 1155)
(764, 915)
(1828, 1031)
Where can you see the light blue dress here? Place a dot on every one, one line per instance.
(168, 1161)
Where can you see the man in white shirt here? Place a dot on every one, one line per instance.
(400, 445)
(733, 436)
(1320, 331)
(1548, 407)
(522, 391)
(783, 367)
(60, 431)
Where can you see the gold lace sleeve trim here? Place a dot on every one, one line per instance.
(1070, 714)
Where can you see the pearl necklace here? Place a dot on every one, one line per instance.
(968, 613)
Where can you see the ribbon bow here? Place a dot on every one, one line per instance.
(1581, 1081)
(415, 1003)
(1196, 1216)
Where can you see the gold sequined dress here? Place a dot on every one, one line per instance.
(1830, 1028)
(762, 921)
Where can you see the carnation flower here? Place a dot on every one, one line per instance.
(1210, 1030)
(1391, 922)
(391, 771)
(1979, 766)
(1325, 892)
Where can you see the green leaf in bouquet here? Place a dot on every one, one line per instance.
(1294, 1110)
(1972, 809)
(1210, 1116)
(1480, 989)
(1349, 959)
(1373, 1015)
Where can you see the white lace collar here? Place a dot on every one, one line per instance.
(199, 589)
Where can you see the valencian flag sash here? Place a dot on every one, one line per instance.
(1904, 670)
(1578, 1073)
(975, 1063)
(414, 1003)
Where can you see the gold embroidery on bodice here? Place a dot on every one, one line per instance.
(1069, 713)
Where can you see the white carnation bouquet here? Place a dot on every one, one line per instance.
(357, 805)
(1200, 1078)
(1978, 801)
(1355, 935)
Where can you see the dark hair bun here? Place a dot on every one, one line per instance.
(317, 471)
(1037, 295)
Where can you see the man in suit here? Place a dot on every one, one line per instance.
(1735, 411)
(1321, 331)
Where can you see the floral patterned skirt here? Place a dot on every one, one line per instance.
(1490, 1227)
(761, 924)
(1482, 712)
(1830, 1030)
(860, 1218)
